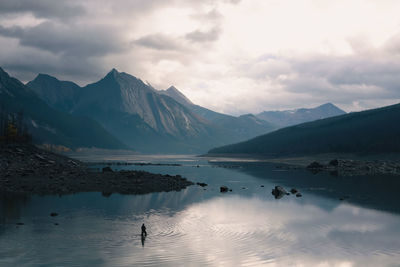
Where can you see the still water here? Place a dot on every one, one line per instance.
(197, 227)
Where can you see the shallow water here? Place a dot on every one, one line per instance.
(197, 227)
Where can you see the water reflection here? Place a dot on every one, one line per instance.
(143, 238)
(197, 227)
(11, 205)
(379, 192)
(228, 230)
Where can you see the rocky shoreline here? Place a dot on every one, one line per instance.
(335, 164)
(27, 169)
(346, 167)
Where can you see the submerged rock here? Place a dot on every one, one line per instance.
(202, 184)
(53, 214)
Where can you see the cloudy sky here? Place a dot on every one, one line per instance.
(233, 56)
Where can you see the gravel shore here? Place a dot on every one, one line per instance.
(28, 169)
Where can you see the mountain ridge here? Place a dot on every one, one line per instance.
(49, 125)
(237, 128)
(296, 116)
(141, 117)
(370, 131)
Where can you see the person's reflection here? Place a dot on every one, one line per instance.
(143, 238)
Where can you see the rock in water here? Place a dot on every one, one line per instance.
(53, 214)
(107, 169)
(106, 194)
(334, 162)
(223, 189)
(293, 191)
(278, 192)
(315, 165)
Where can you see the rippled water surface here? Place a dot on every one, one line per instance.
(197, 227)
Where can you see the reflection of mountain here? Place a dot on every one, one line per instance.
(49, 125)
(11, 205)
(297, 116)
(367, 191)
(371, 131)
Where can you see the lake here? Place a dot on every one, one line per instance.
(338, 221)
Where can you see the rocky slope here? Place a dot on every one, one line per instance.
(235, 128)
(62, 95)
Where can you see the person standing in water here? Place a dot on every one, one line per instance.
(144, 233)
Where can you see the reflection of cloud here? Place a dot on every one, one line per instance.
(236, 231)
(227, 230)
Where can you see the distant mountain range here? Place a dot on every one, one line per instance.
(146, 119)
(49, 125)
(135, 113)
(371, 131)
(235, 128)
(125, 112)
(292, 117)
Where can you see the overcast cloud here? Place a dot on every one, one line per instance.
(249, 55)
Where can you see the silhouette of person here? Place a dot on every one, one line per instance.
(144, 233)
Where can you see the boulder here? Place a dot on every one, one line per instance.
(53, 214)
(293, 191)
(299, 195)
(107, 169)
(278, 192)
(334, 162)
(315, 165)
(106, 194)
(202, 184)
(223, 189)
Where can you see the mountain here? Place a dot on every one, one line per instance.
(146, 119)
(143, 118)
(177, 95)
(297, 116)
(49, 125)
(235, 128)
(371, 131)
(61, 95)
